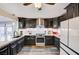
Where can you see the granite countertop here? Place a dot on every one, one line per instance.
(4, 43)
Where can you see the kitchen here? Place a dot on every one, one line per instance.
(30, 27)
(38, 36)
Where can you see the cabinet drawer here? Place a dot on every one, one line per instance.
(4, 51)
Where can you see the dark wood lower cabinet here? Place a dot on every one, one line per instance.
(20, 45)
(16, 46)
(4, 50)
(13, 48)
(29, 40)
(57, 42)
(49, 40)
(53, 41)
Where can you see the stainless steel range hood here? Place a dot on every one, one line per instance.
(40, 23)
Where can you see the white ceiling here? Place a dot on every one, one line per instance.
(5, 19)
(48, 11)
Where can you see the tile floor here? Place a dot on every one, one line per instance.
(34, 50)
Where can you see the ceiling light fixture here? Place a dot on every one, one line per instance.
(38, 6)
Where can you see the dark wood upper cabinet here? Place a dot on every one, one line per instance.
(51, 23)
(26, 23)
(48, 23)
(72, 10)
(31, 23)
(62, 17)
(22, 22)
(75, 9)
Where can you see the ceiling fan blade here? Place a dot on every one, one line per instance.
(26, 4)
(50, 3)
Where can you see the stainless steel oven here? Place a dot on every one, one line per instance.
(40, 40)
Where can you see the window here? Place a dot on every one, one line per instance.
(9, 31)
(2, 32)
(6, 31)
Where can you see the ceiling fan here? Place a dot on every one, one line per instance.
(38, 5)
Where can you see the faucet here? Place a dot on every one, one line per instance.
(16, 33)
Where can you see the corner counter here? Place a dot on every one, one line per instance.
(11, 47)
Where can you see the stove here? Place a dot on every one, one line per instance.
(40, 40)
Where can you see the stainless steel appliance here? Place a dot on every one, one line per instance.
(40, 40)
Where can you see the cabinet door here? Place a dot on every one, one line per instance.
(29, 40)
(4, 51)
(49, 41)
